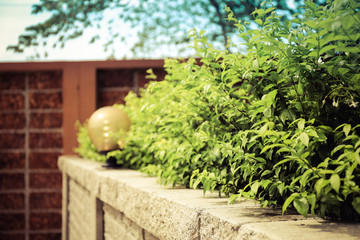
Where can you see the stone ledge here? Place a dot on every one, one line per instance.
(188, 214)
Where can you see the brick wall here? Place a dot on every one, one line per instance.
(30, 142)
(114, 84)
(39, 104)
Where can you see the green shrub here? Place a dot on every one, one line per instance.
(279, 124)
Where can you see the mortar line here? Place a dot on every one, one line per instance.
(26, 175)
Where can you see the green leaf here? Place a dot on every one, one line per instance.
(281, 188)
(259, 21)
(337, 148)
(288, 201)
(301, 124)
(320, 184)
(267, 112)
(304, 138)
(312, 200)
(356, 204)
(266, 172)
(233, 198)
(206, 88)
(302, 205)
(255, 187)
(305, 177)
(282, 162)
(327, 48)
(335, 182)
(346, 129)
(267, 147)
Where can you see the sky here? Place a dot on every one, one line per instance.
(15, 16)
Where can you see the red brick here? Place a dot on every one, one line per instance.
(45, 100)
(109, 98)
(11, 201)
(45, 180)
(115, 78)
(12, 160)
(12, 101)
(45, 236)
(45, 80)
(142, 80)
(12, 81)
(46, 140)
(12, 221)
(45, 200)
(12, 236)
(45, 221)
(43, 160)
(12, 120)
(45, 120)
(12, 141)
(12, 181)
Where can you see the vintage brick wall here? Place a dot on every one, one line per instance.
(30, 142)
(39, 104)
(114, 84)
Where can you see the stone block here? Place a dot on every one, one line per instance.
(79, 214)
(45, 200)
(43, 160)
(12, 140)
(45, 140)
(148, 236)
(118, 226)
(109, 98)
(46, 180)
(110, 78)
(45, 80)
(75, 233)
(12, 201)
(45, 236)
(12, 236)
(12, 120)
(12, 101)
(12, 221)
(12, 181)
(45, 120)
(129, 198)
(12, 80)
(44, 100)
(13, 160)
(300, 230)
(45, 220)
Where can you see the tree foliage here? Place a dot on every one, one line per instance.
(158, 24)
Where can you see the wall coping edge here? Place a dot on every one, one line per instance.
(170, 213)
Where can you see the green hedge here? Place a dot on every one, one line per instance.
(279, 124)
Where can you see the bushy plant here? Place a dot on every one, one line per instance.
(279, 124)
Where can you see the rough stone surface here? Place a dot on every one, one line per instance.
(149, 236)
(151, 211)
(118, 226)
(79, 200)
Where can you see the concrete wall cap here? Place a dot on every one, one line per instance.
(169, 213)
